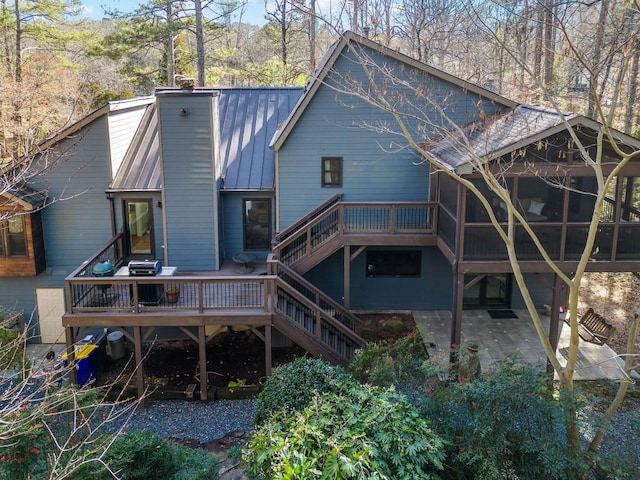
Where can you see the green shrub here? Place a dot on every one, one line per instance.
(292, 386)
(25, 454)
(11, 341)
(362, 433)
(403, 363)
(145, 455)
(615, 467)
(140, 456)
(504, 423)
(194, 464)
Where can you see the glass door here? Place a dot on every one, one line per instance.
(139, 227)
(487, 291)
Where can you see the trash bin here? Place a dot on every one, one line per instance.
(116, 344)
(97, 337)
(85, 365)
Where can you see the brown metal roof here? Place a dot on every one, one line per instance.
(495, 136)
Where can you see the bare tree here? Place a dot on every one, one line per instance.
(43, 417)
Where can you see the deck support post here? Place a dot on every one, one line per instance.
(202, 348)
(267, 350)
(555, 317)
(347, 275)
(68, 333)
(456, 311)
(137, 343)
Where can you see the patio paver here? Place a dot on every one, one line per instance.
(501, 338)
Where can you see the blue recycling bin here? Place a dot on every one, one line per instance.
(84, 363)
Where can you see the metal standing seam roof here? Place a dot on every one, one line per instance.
(248, 119)
(495, 136)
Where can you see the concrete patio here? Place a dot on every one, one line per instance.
(501, 338)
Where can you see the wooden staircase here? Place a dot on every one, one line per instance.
(312, 319)
(304, 313)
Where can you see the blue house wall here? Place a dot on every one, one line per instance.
(430, 291)
(189, 179)
(77, 220)
(377, 165)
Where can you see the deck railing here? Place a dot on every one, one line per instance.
(314, 315)
(482, 242)
(355, 218)
(113, 252)
(306, 289)
(146, 294)
(312, 215)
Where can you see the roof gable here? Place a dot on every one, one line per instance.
(504, 133)
(351, 40)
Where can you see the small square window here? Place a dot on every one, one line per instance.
(331, 171)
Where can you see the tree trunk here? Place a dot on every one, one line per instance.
(6, 38)
(633, 88)
(537, 60)
(200, 43)
(597, 52)
(312, 37)
(549, 44)
(354, 21)
(283, 32)
(169, 47)
(18, 66)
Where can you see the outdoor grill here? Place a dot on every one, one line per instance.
(145, 268)
(148, 294)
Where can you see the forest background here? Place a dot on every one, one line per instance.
(57, 65)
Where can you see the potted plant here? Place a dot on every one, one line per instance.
(173, 294)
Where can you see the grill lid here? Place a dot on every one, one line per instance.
(145, 267)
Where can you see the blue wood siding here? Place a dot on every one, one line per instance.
(377, 166)
(122, 128)
(233, 222)
(189, 181)
(77, 221)
(431, 291)
(19, 294)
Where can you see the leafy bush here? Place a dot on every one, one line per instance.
(144, 455)
(140, 456)
(363, 433)
(504, 423)
(403, 363)
(25, 455)
(11, 341)
(292, 386)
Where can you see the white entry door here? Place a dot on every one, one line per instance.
(50, 311)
